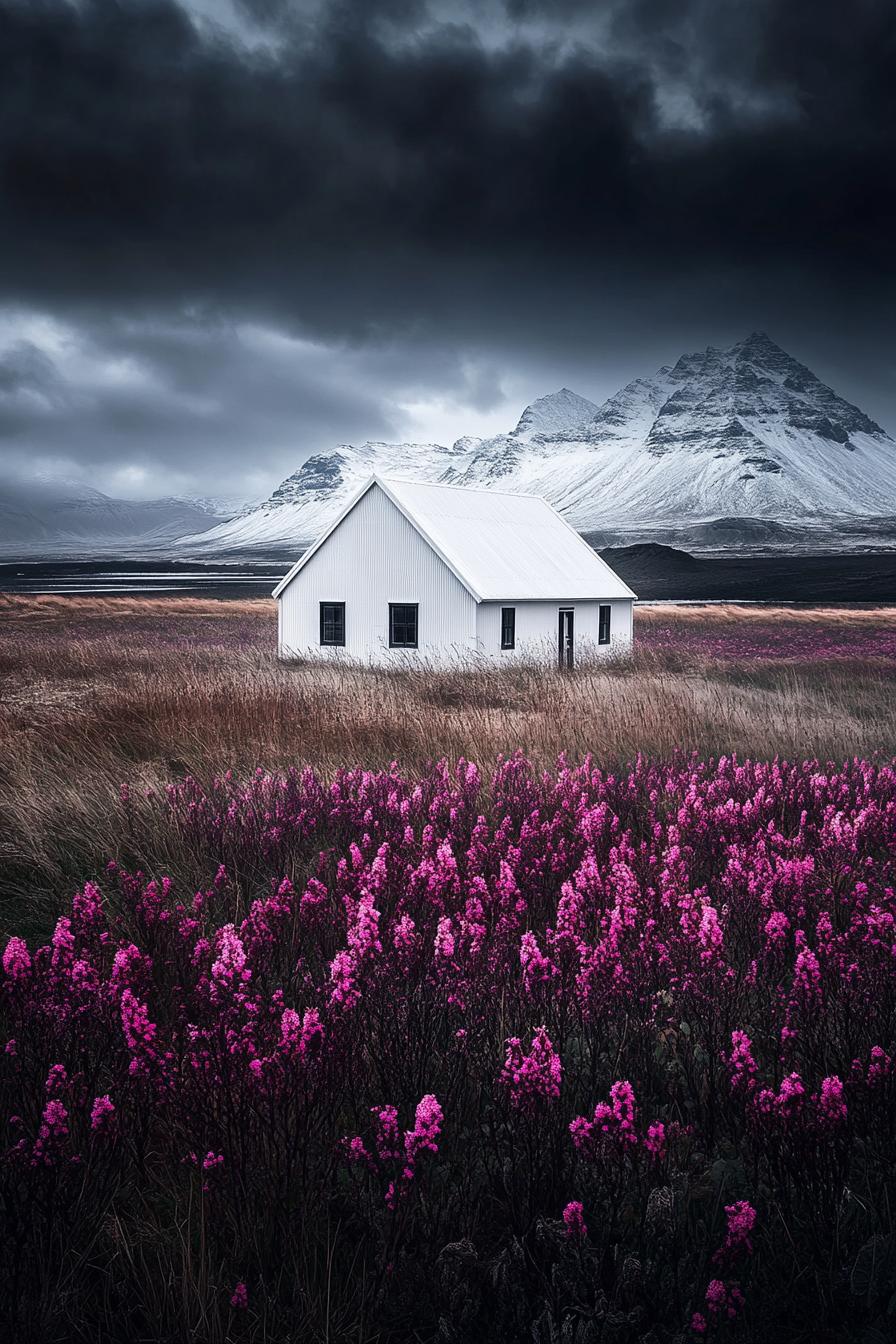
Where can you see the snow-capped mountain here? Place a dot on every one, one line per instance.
(743, 433)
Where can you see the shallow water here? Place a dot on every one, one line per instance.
(73, 578)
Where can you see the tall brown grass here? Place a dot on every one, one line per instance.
(722, 614)
(98, 692)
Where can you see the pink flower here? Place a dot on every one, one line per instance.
(622, 1099)
(290, 1028)
(51, 1135)
(427, 1128)
(613, 1122)
(57, 1080)
(444, 944)
(392, 1150)
(537, 968)
(363, 935)
(574, 1221)
(831, 1104)
(63, 943)
(128, 965)
(741, 1063)
(741, 1218)
(139, 1032)
(776, 926)
(404, 937)
(534, 1077)
(344, 992)
(807, 976)
(388, 1136)
(723, 1301)
(880, 1065)
(655, 1142)
(239, 1298)
(102, 1113)
(356, 1151)
(229, 967)
(709, 932)
(16, 959)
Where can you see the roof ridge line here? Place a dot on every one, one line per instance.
(465, 489)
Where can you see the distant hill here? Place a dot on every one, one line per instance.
(62, 518)
(658, 572)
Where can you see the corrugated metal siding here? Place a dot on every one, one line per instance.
(537, 627)
(373, 558)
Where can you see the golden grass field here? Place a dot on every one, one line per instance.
(97, 692)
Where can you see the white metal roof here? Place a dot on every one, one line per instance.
(500, 546)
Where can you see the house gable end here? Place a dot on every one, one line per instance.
(377, 485)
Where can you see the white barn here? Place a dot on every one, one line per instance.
(446, 574)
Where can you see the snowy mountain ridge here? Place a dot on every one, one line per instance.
(746, 432)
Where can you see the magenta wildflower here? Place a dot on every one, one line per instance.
(574, 1221)
(229, 967)
(16, 959)
(344, 992)
(612, 1122)
(102, 1113)
(741, 1063)
(51, 1135)
(831, 1103)
(534, 1077)
(741, 1219)
(655, 1142)
(444, 942)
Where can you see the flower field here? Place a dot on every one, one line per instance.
(454, 1055)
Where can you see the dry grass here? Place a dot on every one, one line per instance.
(722, 614)
(98, 691)
(72, 609)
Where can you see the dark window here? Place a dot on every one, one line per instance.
(603, 625)
(402, 625)
(332, 623)
(508, 627)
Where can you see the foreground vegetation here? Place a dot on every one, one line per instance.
(584, 1055)
(429, 1050)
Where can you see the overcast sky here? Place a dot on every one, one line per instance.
(235, 232)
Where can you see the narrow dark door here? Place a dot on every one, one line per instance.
(566, 637)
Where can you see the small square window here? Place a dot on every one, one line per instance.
(508, 627)
(332, 623)
(403, 625)
(603, 625)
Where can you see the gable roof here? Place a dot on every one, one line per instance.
(499, 546)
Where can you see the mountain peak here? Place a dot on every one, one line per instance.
(555, 413)
(759, 345)
(745, 433)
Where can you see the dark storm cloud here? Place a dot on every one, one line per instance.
(143, 156)
(452, 183)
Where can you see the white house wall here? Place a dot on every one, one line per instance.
(374, 557)
(537, 629)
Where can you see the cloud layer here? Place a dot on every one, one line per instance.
(266, 225)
